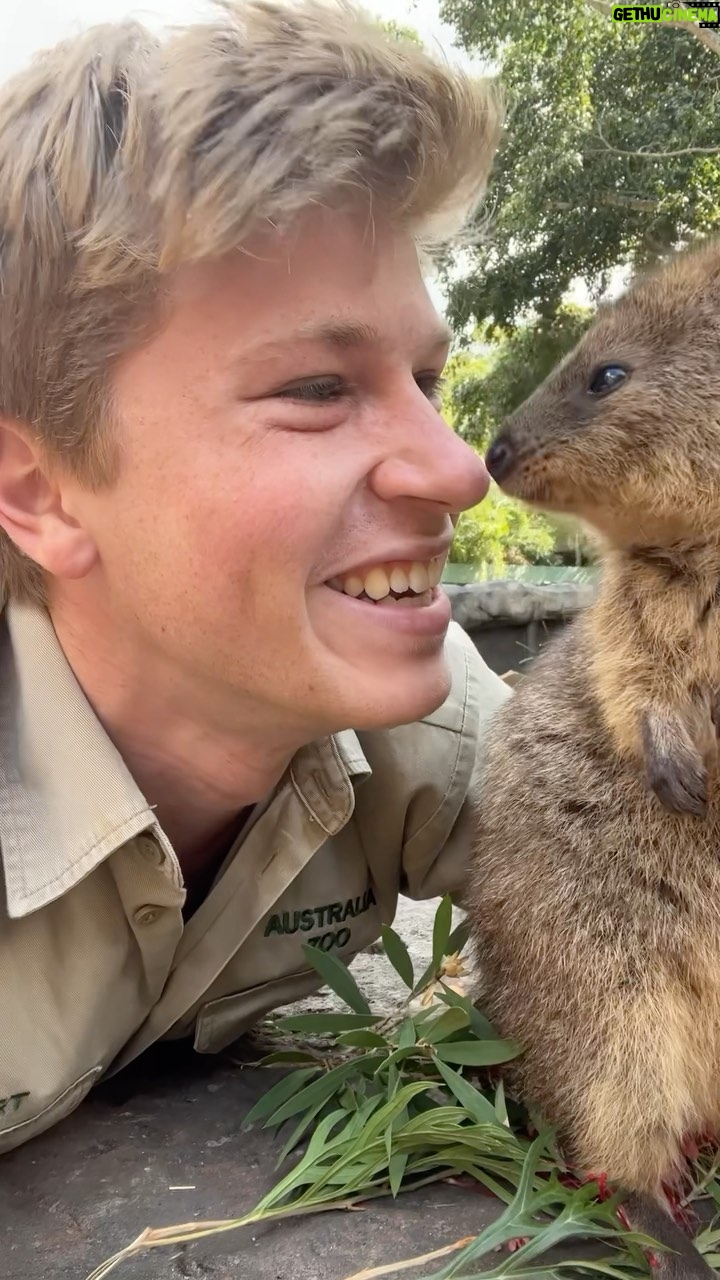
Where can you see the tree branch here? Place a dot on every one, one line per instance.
(611, 200)
(706, 36)
(637, 204)
(651, 155)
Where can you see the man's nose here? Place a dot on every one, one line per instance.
(429, 462)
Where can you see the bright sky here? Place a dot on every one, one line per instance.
(27, 25)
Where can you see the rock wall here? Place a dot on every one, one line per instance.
(510, 622)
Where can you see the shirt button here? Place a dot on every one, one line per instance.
(146, 915)
(151, 850)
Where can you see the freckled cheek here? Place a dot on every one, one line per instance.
(252, 533)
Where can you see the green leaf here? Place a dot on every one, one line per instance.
(425, 979)
(441, 930)
(323, 1023)
(398, 1055)
(458, 938)
(448, 1022)
(500, 1104)
(320, 1139)
(299, 1132)
(288, 1087)
(319, 1091)
(478, 1053)
(473, 1101)
(362, 1040)
(337, 976)
(287, 1056)
(482, 1028)
(396, 1169)
(441, 936)
(398, 955)
(407, 1034)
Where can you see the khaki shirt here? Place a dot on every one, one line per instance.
(96, 962)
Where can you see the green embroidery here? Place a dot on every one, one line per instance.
(309, 918)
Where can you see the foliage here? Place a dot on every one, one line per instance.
(383, 1105)
(482, 386)
(502, 531)
(484, 389)
(399, 30)
(610, 155)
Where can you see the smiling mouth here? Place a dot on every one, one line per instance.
(409, 584)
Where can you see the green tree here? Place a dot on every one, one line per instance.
(399, 31)
(482, 389)
(483, 384)
(610, 155)
(500, 532)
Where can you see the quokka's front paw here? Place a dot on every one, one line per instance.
(674, 766)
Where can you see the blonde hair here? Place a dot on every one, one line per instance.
(123, 155)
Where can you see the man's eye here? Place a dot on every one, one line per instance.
(328, 390)
(324, 390)
(432, 385)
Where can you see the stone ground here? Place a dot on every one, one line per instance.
(162, 1144)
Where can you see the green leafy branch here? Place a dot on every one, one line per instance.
(381, 1105)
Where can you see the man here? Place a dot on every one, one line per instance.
(234, 716)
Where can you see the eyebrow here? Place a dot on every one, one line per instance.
(341, 334)
(352, 333)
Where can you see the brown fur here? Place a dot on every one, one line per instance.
(595, 899)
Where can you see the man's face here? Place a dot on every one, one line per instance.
(281, 439)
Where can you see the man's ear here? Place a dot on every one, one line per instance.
(31, 507)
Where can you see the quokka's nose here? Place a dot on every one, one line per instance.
(500, 459)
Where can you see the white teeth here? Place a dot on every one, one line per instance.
(376, 584)
(399, 580)
(418, 578)
(353, 586)
(379, 581)
(405, 602)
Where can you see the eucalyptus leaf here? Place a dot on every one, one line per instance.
(286, 1088)
(471, 1099)
(441, 931)
(397, 1056)
(362, 1040)
(406, 1034)
(281, 1057)
(398, 955)
(481, 1026)
(396, 1169)
(478, 1053)
(458, 938)
(500, 1104)
(298, 1133)
(322, 1023)
(338, 977)
(319, 1090)
(446, 1024)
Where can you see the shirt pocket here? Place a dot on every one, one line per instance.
(222, 1021)
(16, 1134)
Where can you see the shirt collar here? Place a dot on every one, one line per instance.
(67, 799)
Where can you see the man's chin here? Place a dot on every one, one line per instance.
(404, 698)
